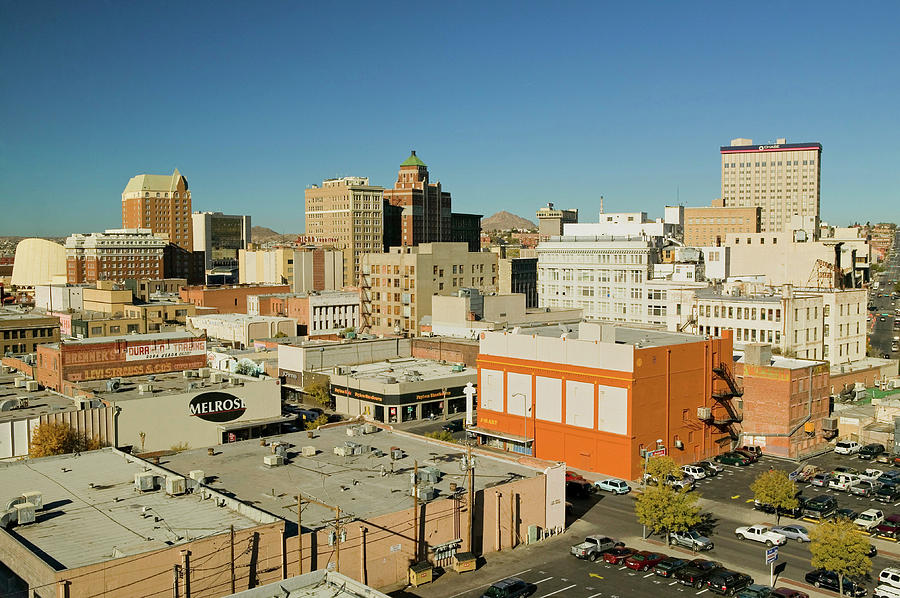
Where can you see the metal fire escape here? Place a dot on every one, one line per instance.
(365, 303)
(724, 398)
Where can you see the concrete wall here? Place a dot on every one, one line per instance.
(32, 569)
(298, 359)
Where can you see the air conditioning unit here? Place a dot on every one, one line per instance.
(175, 486)
(196, 475)
(188, 373)
(31, 386)
(19, 382)
(829, 423)
(273, 460)
(145, 482)
(342, 451)
(24, 513)
(203, 372)
(308, 451)
(704, 413)
(216, 377)
(145, 388)
(36, 498)
(679, 444)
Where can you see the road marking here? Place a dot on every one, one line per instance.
(489, 584)
(735, 497)
(648, 575)
(595, 595)
(558, 591)
(542, 581)
(673, 583)
(701, 591)
(749, 500)
(596, 575)
(622, 567)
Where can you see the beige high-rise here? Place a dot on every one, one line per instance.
(783, 179)
(347, 214)
(161, 203)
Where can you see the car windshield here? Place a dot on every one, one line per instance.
(638, 557)
(843, 444)
(495, 592)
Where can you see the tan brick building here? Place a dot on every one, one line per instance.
(161, 203)
(707, 226)
(346, 213)
(397, 286)
(116, 254)
(22, 333)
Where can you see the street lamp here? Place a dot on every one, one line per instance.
(529, 412)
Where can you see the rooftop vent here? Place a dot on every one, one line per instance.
(175, 486)
(14, 403)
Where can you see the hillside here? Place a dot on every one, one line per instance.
(261, 234)
(505, 221)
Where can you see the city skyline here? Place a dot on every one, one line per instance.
(509, 110)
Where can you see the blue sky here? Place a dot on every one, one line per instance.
(511, 105)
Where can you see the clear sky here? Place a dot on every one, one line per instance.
(511, 104)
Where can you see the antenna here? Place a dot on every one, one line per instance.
(601, 204)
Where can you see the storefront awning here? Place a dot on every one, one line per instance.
(500, 435)
(281, 419)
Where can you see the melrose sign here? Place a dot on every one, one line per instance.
(217, 407)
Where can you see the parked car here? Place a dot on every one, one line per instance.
(614, 485)
(864, 488)
(787, 593)
(869, 519)
(820, 479)
(668, 566)
(889, 528)
(872, 475)
(694, 471)
(820, 507)
(644, 560)
(732, 458)
(843, 481)
(888, 493)
(846, 447)
(793, 532)
(691, 539)
(755, 591)
(685, 483)
(752, 455)
(843, 469)
(890, 576)
(453, 426)
(512, 587)
(727, 582)
(847, 514)
(870, 451)
(829, 580)
(886, 591)
(760, 533)
(753, 450)
(593, 547)
(617, 555)
(697, 572)
(710, 467)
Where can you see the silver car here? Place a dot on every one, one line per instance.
(793, 532)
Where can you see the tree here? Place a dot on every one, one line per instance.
(441, 435)
(774, 488)
(664, 510)
(58, 438)
(660, 468)
(319, 421)
(319, 394)
(837, 546)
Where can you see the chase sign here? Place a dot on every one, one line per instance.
(217, 407)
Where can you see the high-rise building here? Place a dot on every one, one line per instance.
(304, 268)
(347, 214)
(220, 236)
(783, 179)
(551, 221)
(116, 254)
(426, 207)
(161, 203)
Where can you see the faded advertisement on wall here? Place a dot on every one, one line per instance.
(166, 350)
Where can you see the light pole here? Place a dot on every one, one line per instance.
(528, 413)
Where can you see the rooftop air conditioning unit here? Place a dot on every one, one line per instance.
(273, 460)
(145, 481)
(188, 373)
(342, 451)
(390, 380)
(829, 423)
(34, 497)
(24, 513)
(19, 382)
(308, 451)
(31, 386)
(197, 475)
(145, 388)
(704, 413)
(203, 372)
(175, 486)
(215, 377)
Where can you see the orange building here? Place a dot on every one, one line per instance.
(599, 402)
(228, 299)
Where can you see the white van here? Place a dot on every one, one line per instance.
(698, 473)
(886, 591)
(847, 447)
(890, 576)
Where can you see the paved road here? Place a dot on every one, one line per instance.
(882, 333)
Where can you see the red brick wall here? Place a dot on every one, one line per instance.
(228, 300)
(445, 349)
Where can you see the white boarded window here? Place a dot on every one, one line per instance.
(518, 394)
(612, 409)
(492, 390)
(549, 399)
(579, 404)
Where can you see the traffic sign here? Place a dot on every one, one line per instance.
(771, 555)
(657, 453)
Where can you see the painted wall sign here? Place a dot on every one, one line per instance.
(166, 350)
(217, 406)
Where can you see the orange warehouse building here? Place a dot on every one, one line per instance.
(600, 401)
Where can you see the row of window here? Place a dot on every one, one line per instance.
(779, 163)
(35, 333)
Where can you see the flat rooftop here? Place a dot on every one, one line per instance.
(361, 485)
(707, 295)
(169, 383)
(154, 336)
(315, 584)
(92, 513)
(237, 318)
(612, 332)
(39, 402)
(407, 369)
(861, 364)
(779, 361)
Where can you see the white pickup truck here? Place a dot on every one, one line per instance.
(760, 533)
(593, 547)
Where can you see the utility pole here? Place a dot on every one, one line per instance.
(299, 538)
(337, 539)
(186, 568)
(176, 582)
(470, 470)
(416, 511)
(232, 559)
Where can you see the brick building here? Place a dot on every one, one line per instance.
(22, 333)
(228, 299)
(116, 254)
(161, 203)
(707, 226)
(60, 365)
(316, 314)
(784, 402)
(598, 398)
(451, 350)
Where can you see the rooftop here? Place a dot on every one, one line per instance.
(39, 402)
(407, 369)
(237, 318)
(140, 338)
(779, 361)
(365, 485)
(413, 160)
(315, 584)
(93, 493)
(861, 364)
(162, 384)
(711, 295)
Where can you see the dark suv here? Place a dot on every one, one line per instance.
(829, 580)
(888, 493)
(697, 572)
(512, 587)
(820, 507)
(727, 582)
(870, 451)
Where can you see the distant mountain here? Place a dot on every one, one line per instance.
(261, 234)
(505, 221)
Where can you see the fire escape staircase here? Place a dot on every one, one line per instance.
(724, 398)
(365, 303)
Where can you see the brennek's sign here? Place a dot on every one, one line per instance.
(217, 406)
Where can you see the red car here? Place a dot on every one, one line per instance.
(788, 593)
(644, 560)
(617, 556)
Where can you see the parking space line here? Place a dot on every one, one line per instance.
(648, 575)
(701, 591)
(543, 580)
(622, 567)
(673, 583)
(595, 595)
(558, 591)
(492, 583)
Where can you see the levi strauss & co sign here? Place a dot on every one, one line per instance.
(217, 406)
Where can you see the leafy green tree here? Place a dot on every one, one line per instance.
(441, 435)
(660, 468)
(58, 438)
(663, 509)
(837, 546)
(774, 488)
(319, 394)
(319, 421)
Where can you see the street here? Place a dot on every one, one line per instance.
(882, 332)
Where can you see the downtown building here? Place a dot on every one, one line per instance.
(117, 255)
(782, 179)
(160, 203)
(220, 237)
